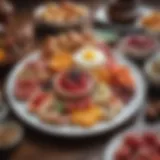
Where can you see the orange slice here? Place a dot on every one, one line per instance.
(87, 117)
(61, 62)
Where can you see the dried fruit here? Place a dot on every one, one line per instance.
(133, 141)
(87, 117)
(150, 138)
(123, 153)
(24, 88)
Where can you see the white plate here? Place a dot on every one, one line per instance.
(110, 150)
(20, 108)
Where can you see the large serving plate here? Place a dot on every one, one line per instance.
(116, 142)
(20, 108)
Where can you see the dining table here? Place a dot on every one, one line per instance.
(37, 145)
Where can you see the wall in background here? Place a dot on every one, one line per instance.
(30, 3)
(25, 4)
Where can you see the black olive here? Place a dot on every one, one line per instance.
(75, 75)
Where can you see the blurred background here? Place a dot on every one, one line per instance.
(19, 36)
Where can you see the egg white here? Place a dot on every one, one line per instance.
(97, 61)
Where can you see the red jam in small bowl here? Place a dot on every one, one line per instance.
(141, 42)
(73, 83)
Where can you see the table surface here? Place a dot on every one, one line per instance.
(38, 146)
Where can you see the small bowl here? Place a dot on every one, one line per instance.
(71, 95)
(133, 53)
(152, 76)
(9, 126)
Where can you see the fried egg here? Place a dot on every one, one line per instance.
(89, 58)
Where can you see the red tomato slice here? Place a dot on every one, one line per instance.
(123, 153)
(25, 88)
(133, 141)
(38, 100)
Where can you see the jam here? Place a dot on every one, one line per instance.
(73, 84)
(74, 81)
(141, 42)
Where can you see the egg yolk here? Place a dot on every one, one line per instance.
(89, 55)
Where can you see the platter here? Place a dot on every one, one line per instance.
(111, 149)
(20, 108)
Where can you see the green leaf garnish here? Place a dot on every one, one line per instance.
(60, 107)
(106, 35)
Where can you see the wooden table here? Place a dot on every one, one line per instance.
(38, 146)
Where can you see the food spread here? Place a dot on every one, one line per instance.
(82, 87)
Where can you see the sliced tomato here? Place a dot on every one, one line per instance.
(150, 138)
(146, 152)
(39, 99)
(156, 157)
(24, 88)
(158, 146)
(123, 153)
(133, 141)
